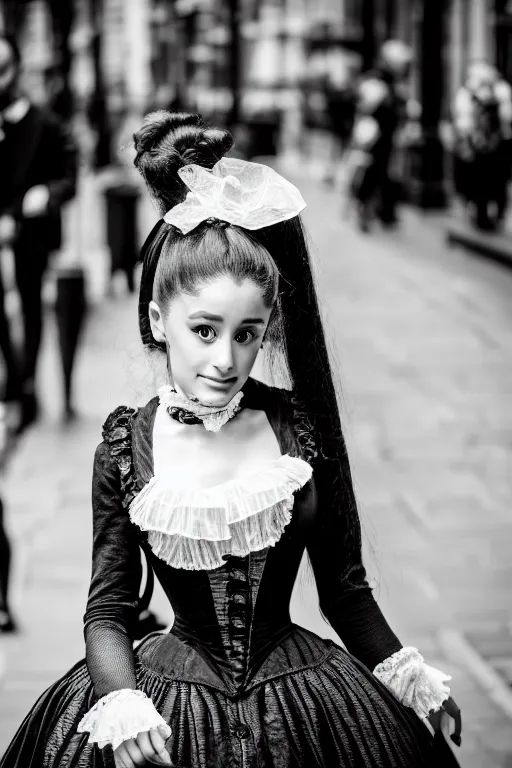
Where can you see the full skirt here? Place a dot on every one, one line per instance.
(332, 714)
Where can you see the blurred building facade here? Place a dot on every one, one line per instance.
(259, 66)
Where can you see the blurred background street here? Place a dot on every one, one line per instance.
(417, 306)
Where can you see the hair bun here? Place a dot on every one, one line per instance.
(166, 142)
(156, 125)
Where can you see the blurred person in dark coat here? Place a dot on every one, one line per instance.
(39, 166)
(482, 120)
(381, 109)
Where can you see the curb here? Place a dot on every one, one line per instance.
(497, 246)
(457, 648)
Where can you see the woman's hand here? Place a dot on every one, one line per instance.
(147, 747)
(448, 721)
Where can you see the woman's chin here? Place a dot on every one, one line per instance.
(215, 395)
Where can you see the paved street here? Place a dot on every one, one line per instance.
(422, 339)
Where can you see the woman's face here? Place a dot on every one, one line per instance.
(212, 337)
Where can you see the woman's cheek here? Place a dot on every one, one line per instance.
(249, 357)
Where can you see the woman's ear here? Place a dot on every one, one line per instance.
(156, 321)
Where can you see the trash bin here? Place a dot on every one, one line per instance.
(264, 135)
(122, 233)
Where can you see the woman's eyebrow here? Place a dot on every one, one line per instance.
(206, 316)
(219, 319)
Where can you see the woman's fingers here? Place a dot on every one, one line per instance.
(123, 755)
(447, 725)
(161, 755)
(148, 747)
(122, 758)
(448, 720)
(158, 756)
(164, 760)
(453, 710)
(145, 745)
(134, 753)
(158, 741)
(119, 757)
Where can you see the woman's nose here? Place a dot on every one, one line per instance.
(224, 359)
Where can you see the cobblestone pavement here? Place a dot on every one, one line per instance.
(421, 337)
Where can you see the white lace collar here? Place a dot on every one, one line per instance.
(197, 528)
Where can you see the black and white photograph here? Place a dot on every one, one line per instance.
(256, 383)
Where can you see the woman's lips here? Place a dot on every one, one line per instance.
(219, 383)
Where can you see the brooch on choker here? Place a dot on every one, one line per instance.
(188, 411)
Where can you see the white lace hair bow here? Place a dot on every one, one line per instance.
(248, 195)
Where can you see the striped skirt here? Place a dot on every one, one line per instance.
(334, 714)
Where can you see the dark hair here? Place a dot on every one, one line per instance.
(166, 142)
(13, 45)
(314, 406)
(210, 250)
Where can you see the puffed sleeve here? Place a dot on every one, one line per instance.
(112, 606)
(334, 549)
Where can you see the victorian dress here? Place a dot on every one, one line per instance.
(239, 684)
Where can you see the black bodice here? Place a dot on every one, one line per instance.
(232, 624)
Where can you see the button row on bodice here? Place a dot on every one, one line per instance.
(238, 596)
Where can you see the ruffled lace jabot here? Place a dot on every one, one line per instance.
(188, 411)
(197, 528)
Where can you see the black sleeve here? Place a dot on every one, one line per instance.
(62, 156)
(112, 607)
(334, 549)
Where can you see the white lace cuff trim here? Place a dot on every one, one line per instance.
(196, 528)
(413, 682)
(121, 715)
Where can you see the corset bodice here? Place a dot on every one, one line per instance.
(235, 615)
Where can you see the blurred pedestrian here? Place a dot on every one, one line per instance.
(6, 620)
(482, 119)
(225, 481)
(381, 110)
(340, 109)
(11, 380)
(39, 166)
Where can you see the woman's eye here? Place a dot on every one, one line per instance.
(205, 332)
(244, 337)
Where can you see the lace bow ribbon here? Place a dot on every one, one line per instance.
(413, 682)
(121, 715)
(249, 195)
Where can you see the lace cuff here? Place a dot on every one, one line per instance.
(413, 682)
(119, 716)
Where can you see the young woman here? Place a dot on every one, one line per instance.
(224, 482)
